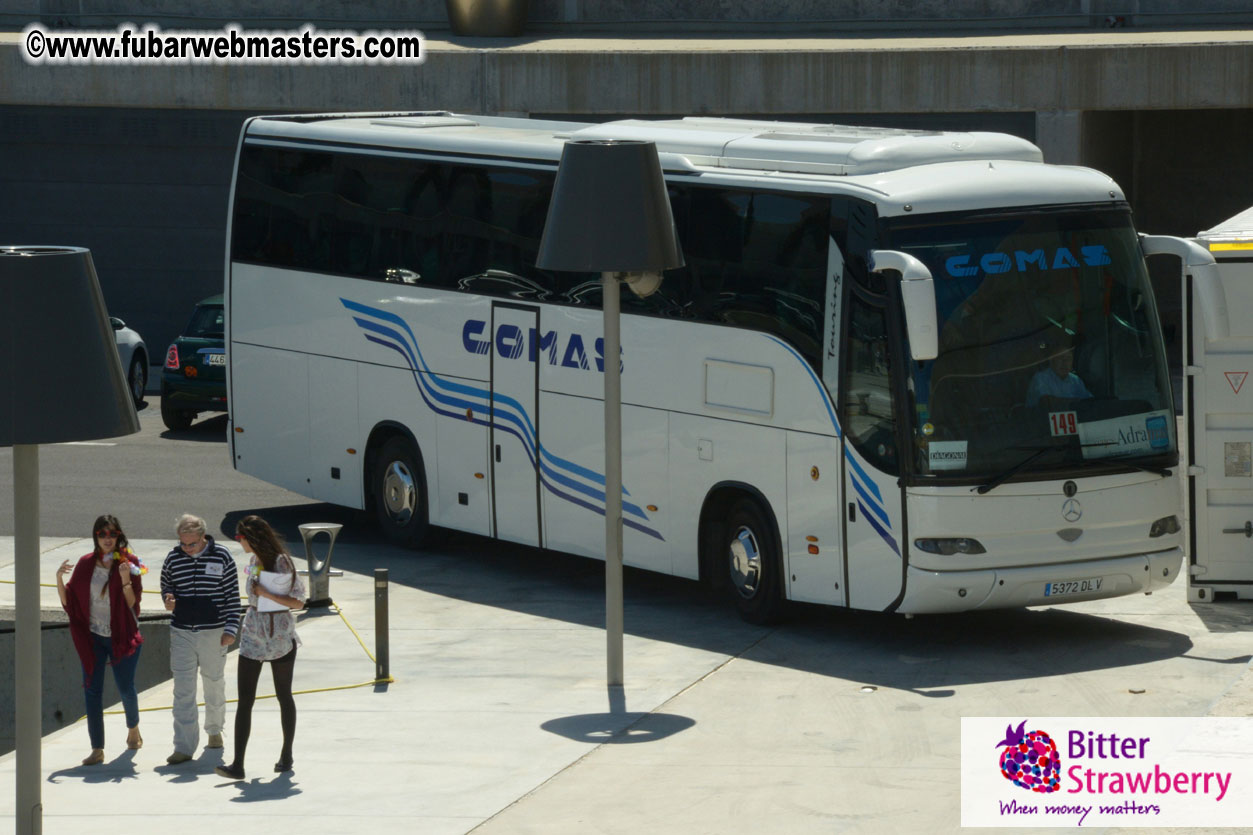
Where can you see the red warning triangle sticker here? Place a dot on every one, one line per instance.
(1235, 379)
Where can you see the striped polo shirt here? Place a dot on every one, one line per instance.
(205, 588)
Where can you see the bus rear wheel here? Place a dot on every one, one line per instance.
(749, 562)
(399, 489)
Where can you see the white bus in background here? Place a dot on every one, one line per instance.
(842, 398)
(1219, 405)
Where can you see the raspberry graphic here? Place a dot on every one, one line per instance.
(1030, 759)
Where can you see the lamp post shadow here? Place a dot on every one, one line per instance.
(619, 726)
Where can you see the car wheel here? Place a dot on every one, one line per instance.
(137, 379)
(175, 419)
(749, 562)
(398, 485)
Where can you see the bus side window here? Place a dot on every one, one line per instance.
(279, 200)
(869, 410)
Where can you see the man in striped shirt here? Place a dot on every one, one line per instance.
(200, 585)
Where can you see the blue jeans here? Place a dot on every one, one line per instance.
(93, 688)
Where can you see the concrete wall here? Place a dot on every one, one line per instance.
(145, 190)
(63, 678)
(573, 15)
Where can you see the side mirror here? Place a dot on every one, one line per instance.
(918, 297)
(1206, 283)
(117, 323)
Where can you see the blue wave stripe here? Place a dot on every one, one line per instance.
(590, 475)
(429, 395)
(882, 533)
(524, 431)
(874, 506)
(418, 363)
(630, 523)
(503, 416)
(874, 488)
(407, 351)
(421, 391)
(822, 390)
(388, 317)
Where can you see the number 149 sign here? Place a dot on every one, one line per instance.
(1063, 423)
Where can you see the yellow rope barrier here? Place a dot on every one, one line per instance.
(340, 612)
(388, 680)
(342, 617)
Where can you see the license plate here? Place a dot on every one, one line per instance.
(215, 359)
(1066, 587)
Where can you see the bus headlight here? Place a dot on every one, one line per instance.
(1165, 525)
(954, 545)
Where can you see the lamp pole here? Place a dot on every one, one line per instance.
(41, 284)
(611, 304)
(610, 214)
(27, 716)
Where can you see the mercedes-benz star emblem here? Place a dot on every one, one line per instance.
(1072, 511)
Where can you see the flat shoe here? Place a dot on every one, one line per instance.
(133, 740)
(95, 757)
(281, 766)
(177, 757)
(231, 772)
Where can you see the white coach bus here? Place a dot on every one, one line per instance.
(903, 371)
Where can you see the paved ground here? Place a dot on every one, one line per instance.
(499, 720)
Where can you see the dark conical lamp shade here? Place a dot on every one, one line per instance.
(59, 368)
(610, 211)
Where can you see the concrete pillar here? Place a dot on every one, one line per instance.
(1059, 133)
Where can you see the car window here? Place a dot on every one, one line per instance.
(206, 322)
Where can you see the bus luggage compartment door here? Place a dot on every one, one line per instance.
(513, 442)
(815, 560)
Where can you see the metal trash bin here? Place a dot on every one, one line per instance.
(319, 570)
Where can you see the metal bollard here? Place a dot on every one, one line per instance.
(381, 664)
(319, 570)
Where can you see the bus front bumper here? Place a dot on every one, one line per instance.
(1038, 585)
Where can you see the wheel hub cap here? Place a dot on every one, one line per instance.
(745, 562)
(399, 494)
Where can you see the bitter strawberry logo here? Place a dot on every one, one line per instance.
(1030, 759)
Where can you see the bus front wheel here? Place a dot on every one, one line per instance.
(750, 565)
(399, 487)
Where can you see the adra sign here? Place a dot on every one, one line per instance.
(1024, 260)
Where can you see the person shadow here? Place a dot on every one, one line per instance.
(121, 767)
(257, 790)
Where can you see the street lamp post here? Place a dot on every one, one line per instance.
(51, 309)
(610, 214)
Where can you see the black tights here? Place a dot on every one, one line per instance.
(249, 673)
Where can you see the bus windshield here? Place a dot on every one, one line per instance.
(1051, 355)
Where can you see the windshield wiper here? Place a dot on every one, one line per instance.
(1148, 468)
(1039, 451)
(1002, 477)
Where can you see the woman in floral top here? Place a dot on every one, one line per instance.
(268, 634)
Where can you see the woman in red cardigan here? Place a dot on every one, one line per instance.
(102, 600)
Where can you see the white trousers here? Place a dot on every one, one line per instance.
(189, 652)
